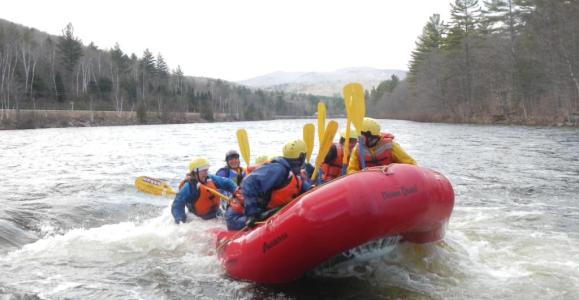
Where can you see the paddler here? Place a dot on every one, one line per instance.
(232, 169)
(195, 193)
(332, 166)
(271, 186)
(379, 148)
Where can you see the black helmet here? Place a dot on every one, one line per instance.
(230, 154)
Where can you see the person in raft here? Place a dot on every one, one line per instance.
(332, 166)
(194, 193)
(232, 169)
(270, 186)
(379, 148)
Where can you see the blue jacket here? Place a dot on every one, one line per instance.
(227, 172)
(186, 195)
(261, 182)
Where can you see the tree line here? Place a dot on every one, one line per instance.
(513, 61)
(40, 71)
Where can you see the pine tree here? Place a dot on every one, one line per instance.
(120, 60)
(161, 68)
(506, 16)
(147, 68)
(69, 48)
(148, 62)
(431, 38)
(465, 16)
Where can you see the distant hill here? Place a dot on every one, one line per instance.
(321, 83)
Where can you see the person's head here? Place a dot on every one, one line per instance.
(199, 168)
(232, 159)
(295, 153)
(370, 132)
(352, 137)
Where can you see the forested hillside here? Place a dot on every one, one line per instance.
(513, 61)
(40, 71)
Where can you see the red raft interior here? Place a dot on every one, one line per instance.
(412, 202)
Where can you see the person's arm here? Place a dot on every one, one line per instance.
(258, 183)
(306, 185)
(400, 156)
(353, 164)
(223, 183)
(178, 206)
(222, 173)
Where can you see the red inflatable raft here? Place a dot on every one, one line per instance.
(412, 202)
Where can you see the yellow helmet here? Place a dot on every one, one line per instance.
(371, 126)
(198, 164)
(261, 159)
(293, 149)
(353, 133)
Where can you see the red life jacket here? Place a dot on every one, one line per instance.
(382, 151)
(287, 193)
(333, 169)
(206, 201)
(236, 203)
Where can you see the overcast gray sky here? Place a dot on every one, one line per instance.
(240, 39)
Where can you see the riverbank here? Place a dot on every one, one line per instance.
(571, 120)
(30, 119)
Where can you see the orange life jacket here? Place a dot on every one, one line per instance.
(287, 193)
(382, 151)
(279, 197)
(206, 201)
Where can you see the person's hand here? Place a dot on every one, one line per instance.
(250, 222)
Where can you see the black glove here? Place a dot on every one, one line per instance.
(250, 222)
(309, 169)
(268, 213)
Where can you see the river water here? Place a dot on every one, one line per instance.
(73, 226)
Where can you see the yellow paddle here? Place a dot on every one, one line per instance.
(153, 186)
(321, 120)
(309, 130)
(325, 144)
(354, 96)
(158, 187)
(243, 142)
(348, 108)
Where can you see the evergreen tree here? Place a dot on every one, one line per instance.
(148, 63)
(431, 38)
(465, 16)
(506, 16)
(120, 60)
(147, 68)
(161, 68)
(69, 48)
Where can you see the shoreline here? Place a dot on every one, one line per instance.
(37, 119)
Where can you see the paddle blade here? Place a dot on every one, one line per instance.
(354, 99)
(346, 144)
(321, 120)
(243, 142)
(153, 186)
(325, 145)
(309, 132)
